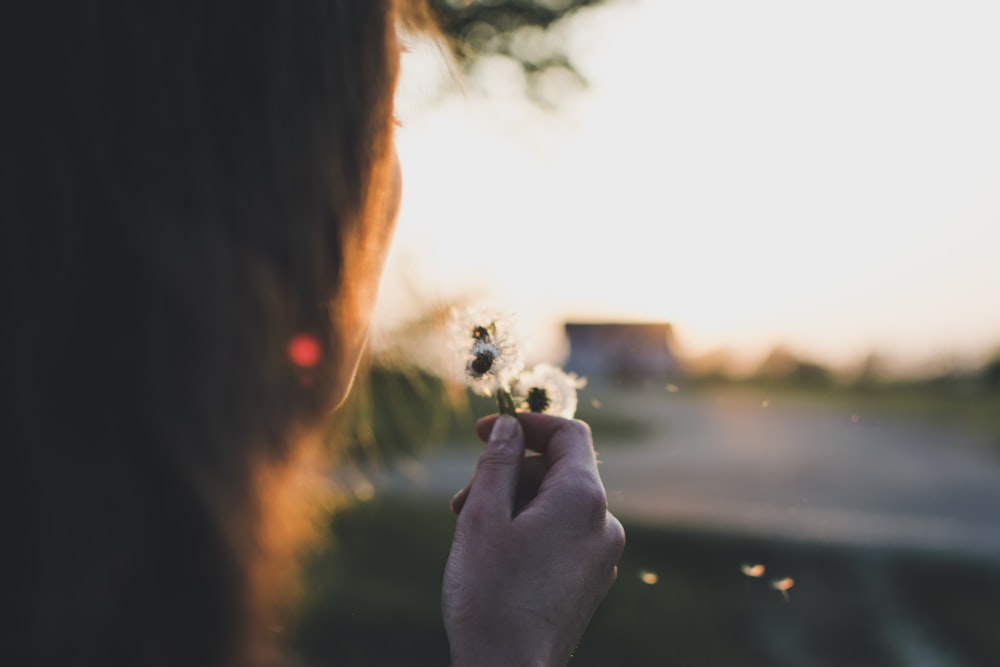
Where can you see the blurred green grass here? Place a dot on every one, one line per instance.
(373, 591)
(974, 410)
(406, 412)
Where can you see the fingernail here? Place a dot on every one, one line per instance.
(504, 428)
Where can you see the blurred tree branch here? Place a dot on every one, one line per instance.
(517, 29)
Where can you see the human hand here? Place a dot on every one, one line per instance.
(535, 548)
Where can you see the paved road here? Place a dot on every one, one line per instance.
(730, 461)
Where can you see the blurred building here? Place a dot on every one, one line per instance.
(622, 351)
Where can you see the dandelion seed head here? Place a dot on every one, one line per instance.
(756, 570)
(482, 358)
(538, 400)
(483, 342)
(479, 323)
(549, 388)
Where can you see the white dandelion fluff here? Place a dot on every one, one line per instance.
(546, 388)
(483, 340)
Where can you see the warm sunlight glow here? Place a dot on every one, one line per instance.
(818, 174)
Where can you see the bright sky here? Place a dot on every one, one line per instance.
(823, 175)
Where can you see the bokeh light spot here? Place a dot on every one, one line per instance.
(304, 350)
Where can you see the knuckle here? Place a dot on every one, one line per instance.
(615, 537)
(592, 500)
(578, 429)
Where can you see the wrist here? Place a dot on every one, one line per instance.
(503, 660)
(508, 654)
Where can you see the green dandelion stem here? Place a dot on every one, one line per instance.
(505, 403)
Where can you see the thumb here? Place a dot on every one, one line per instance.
(494, 485)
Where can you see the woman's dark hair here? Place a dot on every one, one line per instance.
(175, 178)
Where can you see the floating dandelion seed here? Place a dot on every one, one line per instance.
(749, 570)
(673, 389)
(596, 403)
(763, 404)
(648, 578)
(548, 389)
(783, 586)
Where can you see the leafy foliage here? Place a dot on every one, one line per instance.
(521, 30)
(505, 27)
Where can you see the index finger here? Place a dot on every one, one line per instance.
(563, 442)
